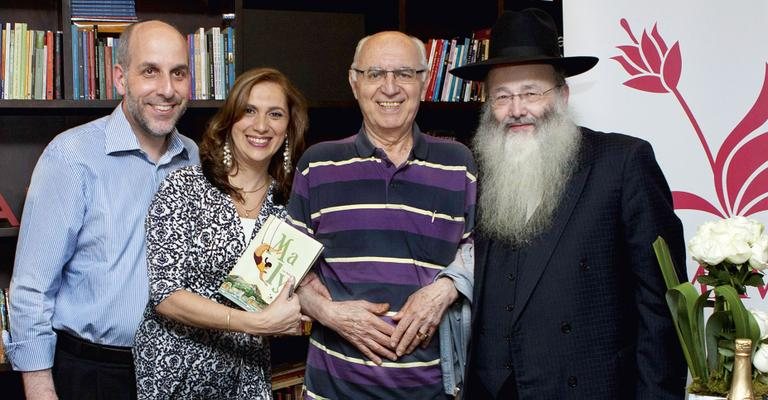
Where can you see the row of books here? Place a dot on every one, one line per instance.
(98, 10)
(288, 382)
(94, 53)
(92, 59)
(5, 322)
(212, 62)
(30, 63)
(445, 54)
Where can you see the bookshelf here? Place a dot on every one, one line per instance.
(311, 41)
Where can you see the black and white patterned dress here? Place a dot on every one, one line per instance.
(194, 238)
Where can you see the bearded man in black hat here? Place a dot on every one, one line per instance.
(568, 296)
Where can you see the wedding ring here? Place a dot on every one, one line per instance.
(421, 336)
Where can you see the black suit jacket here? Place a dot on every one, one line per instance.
(591, 321)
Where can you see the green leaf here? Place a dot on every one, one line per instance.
(664, 258)
(687, 309)
(708, 280)
(724, 351)
(744, 323)
(686, 306)
(717, 326)
(754, 279)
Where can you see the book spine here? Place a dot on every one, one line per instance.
(231, 55)
(19, 37)
(49, 50)
(191, 61)
(203, 71)
(211, 68)
(115, 46)
(108, 72)
(440, 69)
(83, 46)
(101, 91)
(29, 51)
(58, 64)
(3, 55)
(12, 74)
(75, 63)
(91, 66)
(7, 68)
(433, 69)
(430, 54)
(29, 69)
(39, 66)
(225, 61)
(448, 78)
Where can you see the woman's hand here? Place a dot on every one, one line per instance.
(283, 316)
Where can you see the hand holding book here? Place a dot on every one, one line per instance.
(277, 253)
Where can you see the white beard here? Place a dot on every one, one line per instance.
(523, 177)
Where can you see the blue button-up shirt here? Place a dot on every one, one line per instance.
(80, 260)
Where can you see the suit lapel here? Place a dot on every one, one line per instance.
(540, 252)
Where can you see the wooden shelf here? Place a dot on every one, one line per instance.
(9, 232)
(82, 104)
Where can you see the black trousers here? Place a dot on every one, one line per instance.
(83, 371)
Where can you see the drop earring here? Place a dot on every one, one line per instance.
(287, 158)
(226, 158)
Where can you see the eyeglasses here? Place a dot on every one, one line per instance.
(503, 100)
(402, 75)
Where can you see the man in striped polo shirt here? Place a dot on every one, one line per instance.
(393, 208)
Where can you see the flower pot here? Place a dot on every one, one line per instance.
(692, 396)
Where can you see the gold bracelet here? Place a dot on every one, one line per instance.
(229, 316)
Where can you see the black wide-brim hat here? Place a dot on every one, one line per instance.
(524, 37)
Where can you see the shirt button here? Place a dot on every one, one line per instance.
(508, 336)
(508, 365)
(511, 277)
(572, 382)
(509, 307)
(565, 328)
(583, 264)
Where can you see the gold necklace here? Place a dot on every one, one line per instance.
(257, 189)
(248, 211)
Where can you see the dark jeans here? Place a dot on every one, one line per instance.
(78, 375)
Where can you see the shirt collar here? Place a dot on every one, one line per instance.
(120, 137)
(365, 148)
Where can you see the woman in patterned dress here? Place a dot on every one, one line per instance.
(193, 343)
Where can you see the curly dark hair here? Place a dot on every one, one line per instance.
(219, 130)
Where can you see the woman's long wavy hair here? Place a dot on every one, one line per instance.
(219, 130)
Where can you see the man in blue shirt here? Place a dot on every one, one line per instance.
(79, 283)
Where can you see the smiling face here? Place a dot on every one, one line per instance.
(521, 117)
(260, 132)
(389, 108)
(155, 82)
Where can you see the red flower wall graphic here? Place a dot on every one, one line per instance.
(740, 168)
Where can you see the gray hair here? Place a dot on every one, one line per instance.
(123, 53)
(416, 42)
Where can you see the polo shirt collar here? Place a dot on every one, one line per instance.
(120, 137)
(365, 148)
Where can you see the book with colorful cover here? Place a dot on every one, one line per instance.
(277, 252)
